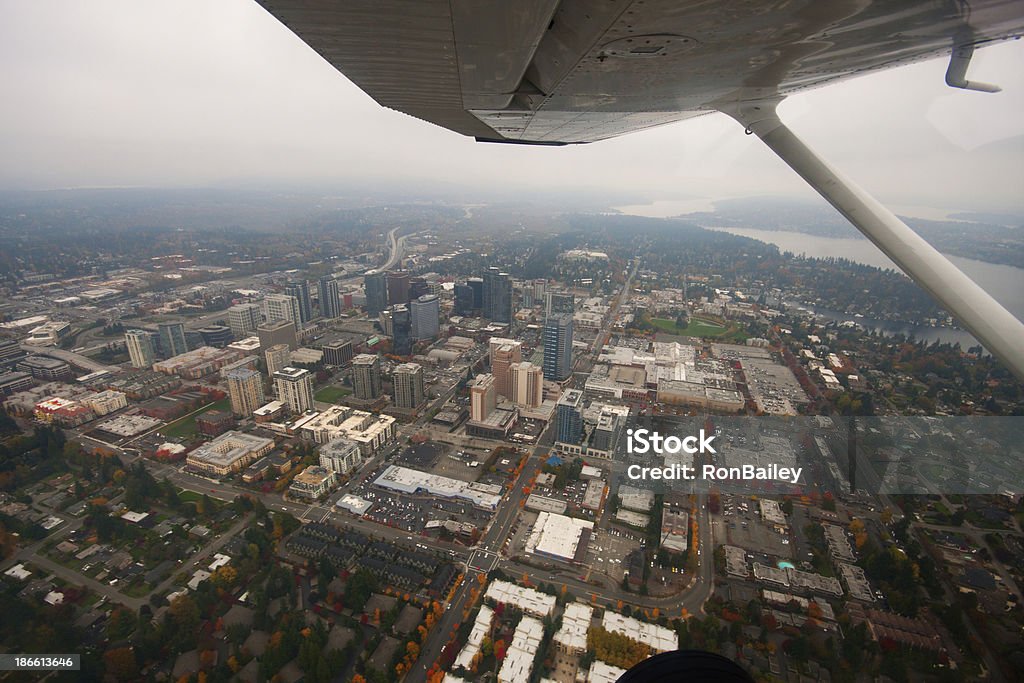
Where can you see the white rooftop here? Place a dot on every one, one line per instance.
(659, 638)
(527, 599)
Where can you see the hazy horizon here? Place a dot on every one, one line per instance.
(187, 94)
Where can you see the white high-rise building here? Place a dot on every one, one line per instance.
(140, 348)
(245, 387)
(295, 388)
(526, 384)
(243, 320)
(408, 385)
(282, 307)
(278, 356)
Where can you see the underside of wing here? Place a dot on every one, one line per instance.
(570, 71)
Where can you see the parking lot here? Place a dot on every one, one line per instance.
(608, 550)
(744, 528)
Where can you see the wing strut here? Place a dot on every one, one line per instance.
(995, 327)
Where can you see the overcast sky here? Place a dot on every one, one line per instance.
(195, 93)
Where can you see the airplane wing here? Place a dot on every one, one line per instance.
(572, 71)
(553, 72)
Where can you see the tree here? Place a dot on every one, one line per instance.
(120, 663)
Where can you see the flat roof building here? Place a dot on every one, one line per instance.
(530, 601)
(559, 537)
(312, 483)
(228, 453)
(415, 482)
(371, 431)
(295, 388)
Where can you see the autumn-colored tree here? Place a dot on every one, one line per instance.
(120, 663)
(358, 679)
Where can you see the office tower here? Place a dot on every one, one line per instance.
(557, 303)
(407, 380)
(569, 417)
(300, 290)
(401, 330)
(540, 287)
(526, 384)
(477, 285)
(385, 320)
(608, 430)
(558, 347)
(338, 353)
(426, 313)
(279, 356)
(346, 301)
(277, 332)
(140, 348)
(375, 286)
(330, 297)
(366, 376)
(497, 296)
(243, 320)
(398, 287)
(217, 336)
(504, 352)
(482, 397)
(172, 339)
(295, 388)
(282, 307)
(463, 299)
(526, 295)
(245, 387)
(418, 286)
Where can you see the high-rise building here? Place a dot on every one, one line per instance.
(295, 388)
(558, 347)
(278, 356)
(366, 382)
(477, 285)
(282, 307)
(504, 352)
(330, 297)
(243, 320)
(398, 287)
(375, 285)
(338, 353)
(497, 303)
(463, 299)
(340, 455)
(482, 397)
(245, 388)
(140, 348)
(277, 332)
(408, 385)
(217, 336)
(172, 339)
(527, 384)
(426, 313)
(608, 430)
(569, 417)
(401, 330)
(558, 303)
(540, 287)
(418, 286)
(300, 290)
